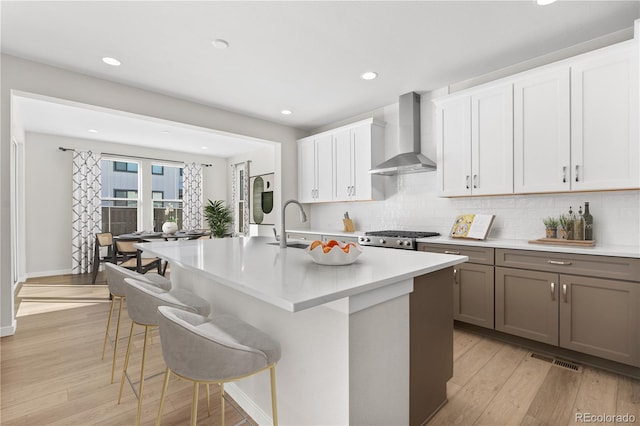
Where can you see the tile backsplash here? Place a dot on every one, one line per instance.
(412, 203)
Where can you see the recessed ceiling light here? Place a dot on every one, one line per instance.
(111, 61)
(92, 131)
(220, 43)
(369, 75)
(285, 112)
(545, 2)
(166, 132)
(204, 147)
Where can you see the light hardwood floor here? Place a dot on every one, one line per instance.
(51, 374)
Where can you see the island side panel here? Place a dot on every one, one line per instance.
(431, 347)
(379, 364)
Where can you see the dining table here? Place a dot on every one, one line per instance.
(155, 236)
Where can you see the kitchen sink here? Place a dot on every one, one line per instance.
(293, 245)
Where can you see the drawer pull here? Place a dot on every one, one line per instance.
(451, 252)
(558, 262)
(564, 293)
(553, 291)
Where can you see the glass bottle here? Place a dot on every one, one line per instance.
(588, 223)
(570, 222)
(578, 226)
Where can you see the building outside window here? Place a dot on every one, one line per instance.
(166, 188)
(120, 196)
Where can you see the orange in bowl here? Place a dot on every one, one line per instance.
(344, 254)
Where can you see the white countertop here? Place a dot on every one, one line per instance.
(598, 249)
(288, 278)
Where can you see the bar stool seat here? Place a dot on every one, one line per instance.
(214, 350)
(143, 300)
(115, 280)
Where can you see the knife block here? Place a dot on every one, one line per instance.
(348, 225)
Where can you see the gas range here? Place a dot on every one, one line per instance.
(394, 239)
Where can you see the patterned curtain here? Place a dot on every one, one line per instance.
(86, 210)
(245, 191)
(235, 197)
(234, 200)
(192, 197)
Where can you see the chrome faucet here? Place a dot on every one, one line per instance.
(283, 229)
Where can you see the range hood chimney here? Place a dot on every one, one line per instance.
(410, 160)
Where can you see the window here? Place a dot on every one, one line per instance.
(127, 194)
(166, 188)
(120, 194)
(123, 166)
(157, 170)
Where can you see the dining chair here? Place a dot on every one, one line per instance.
(115, 281)
(133, 259)
(103, 239)
(143, 300)
(219, 350)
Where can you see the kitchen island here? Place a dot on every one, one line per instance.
(368, 343)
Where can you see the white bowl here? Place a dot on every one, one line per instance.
(336, 256)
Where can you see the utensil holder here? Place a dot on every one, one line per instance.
(348, 225)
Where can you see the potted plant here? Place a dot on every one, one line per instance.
(218, 216)
(169, 226)
(565, 229)
(551, 224)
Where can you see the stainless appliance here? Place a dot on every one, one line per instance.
(409, 160)
(394, 239)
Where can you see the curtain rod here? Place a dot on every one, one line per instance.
(134, 156)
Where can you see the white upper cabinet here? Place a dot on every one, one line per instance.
(541, 126)
(492, 141)
(567, 126)
(352, 151)
(315, 169)
(604, 120)
(475, 142)
(454, 146)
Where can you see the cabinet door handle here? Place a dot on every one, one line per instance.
(564, 174)
(475, 181)
(353, 190)
(455, 276)
(467, 181)
(564, 293)
(553, 291)
(451, 252)
(558, 262)
(577, 167)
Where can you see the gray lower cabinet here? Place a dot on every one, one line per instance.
(598, 316)
(527, 304)
(473, 299)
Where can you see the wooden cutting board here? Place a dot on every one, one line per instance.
(560, 241)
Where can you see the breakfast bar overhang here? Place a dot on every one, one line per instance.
(369, 343)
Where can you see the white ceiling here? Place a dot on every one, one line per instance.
(304, 56)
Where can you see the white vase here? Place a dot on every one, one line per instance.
(169, 227)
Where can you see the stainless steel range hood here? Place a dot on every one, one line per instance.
(410, 160)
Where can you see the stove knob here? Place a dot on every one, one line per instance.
(382, 241)
(398, 242)
(407, 243)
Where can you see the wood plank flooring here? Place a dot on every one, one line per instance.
(51, 374)
(495, 383)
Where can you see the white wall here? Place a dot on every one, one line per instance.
(32, 77)
(47, 238)
(412, 203)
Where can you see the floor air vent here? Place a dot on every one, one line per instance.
(557, 362)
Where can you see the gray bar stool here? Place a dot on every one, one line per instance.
(143, 300)
(115, 280)
(214, 350)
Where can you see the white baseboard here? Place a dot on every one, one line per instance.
(48, 273)
(247, 404)
(9, 330)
